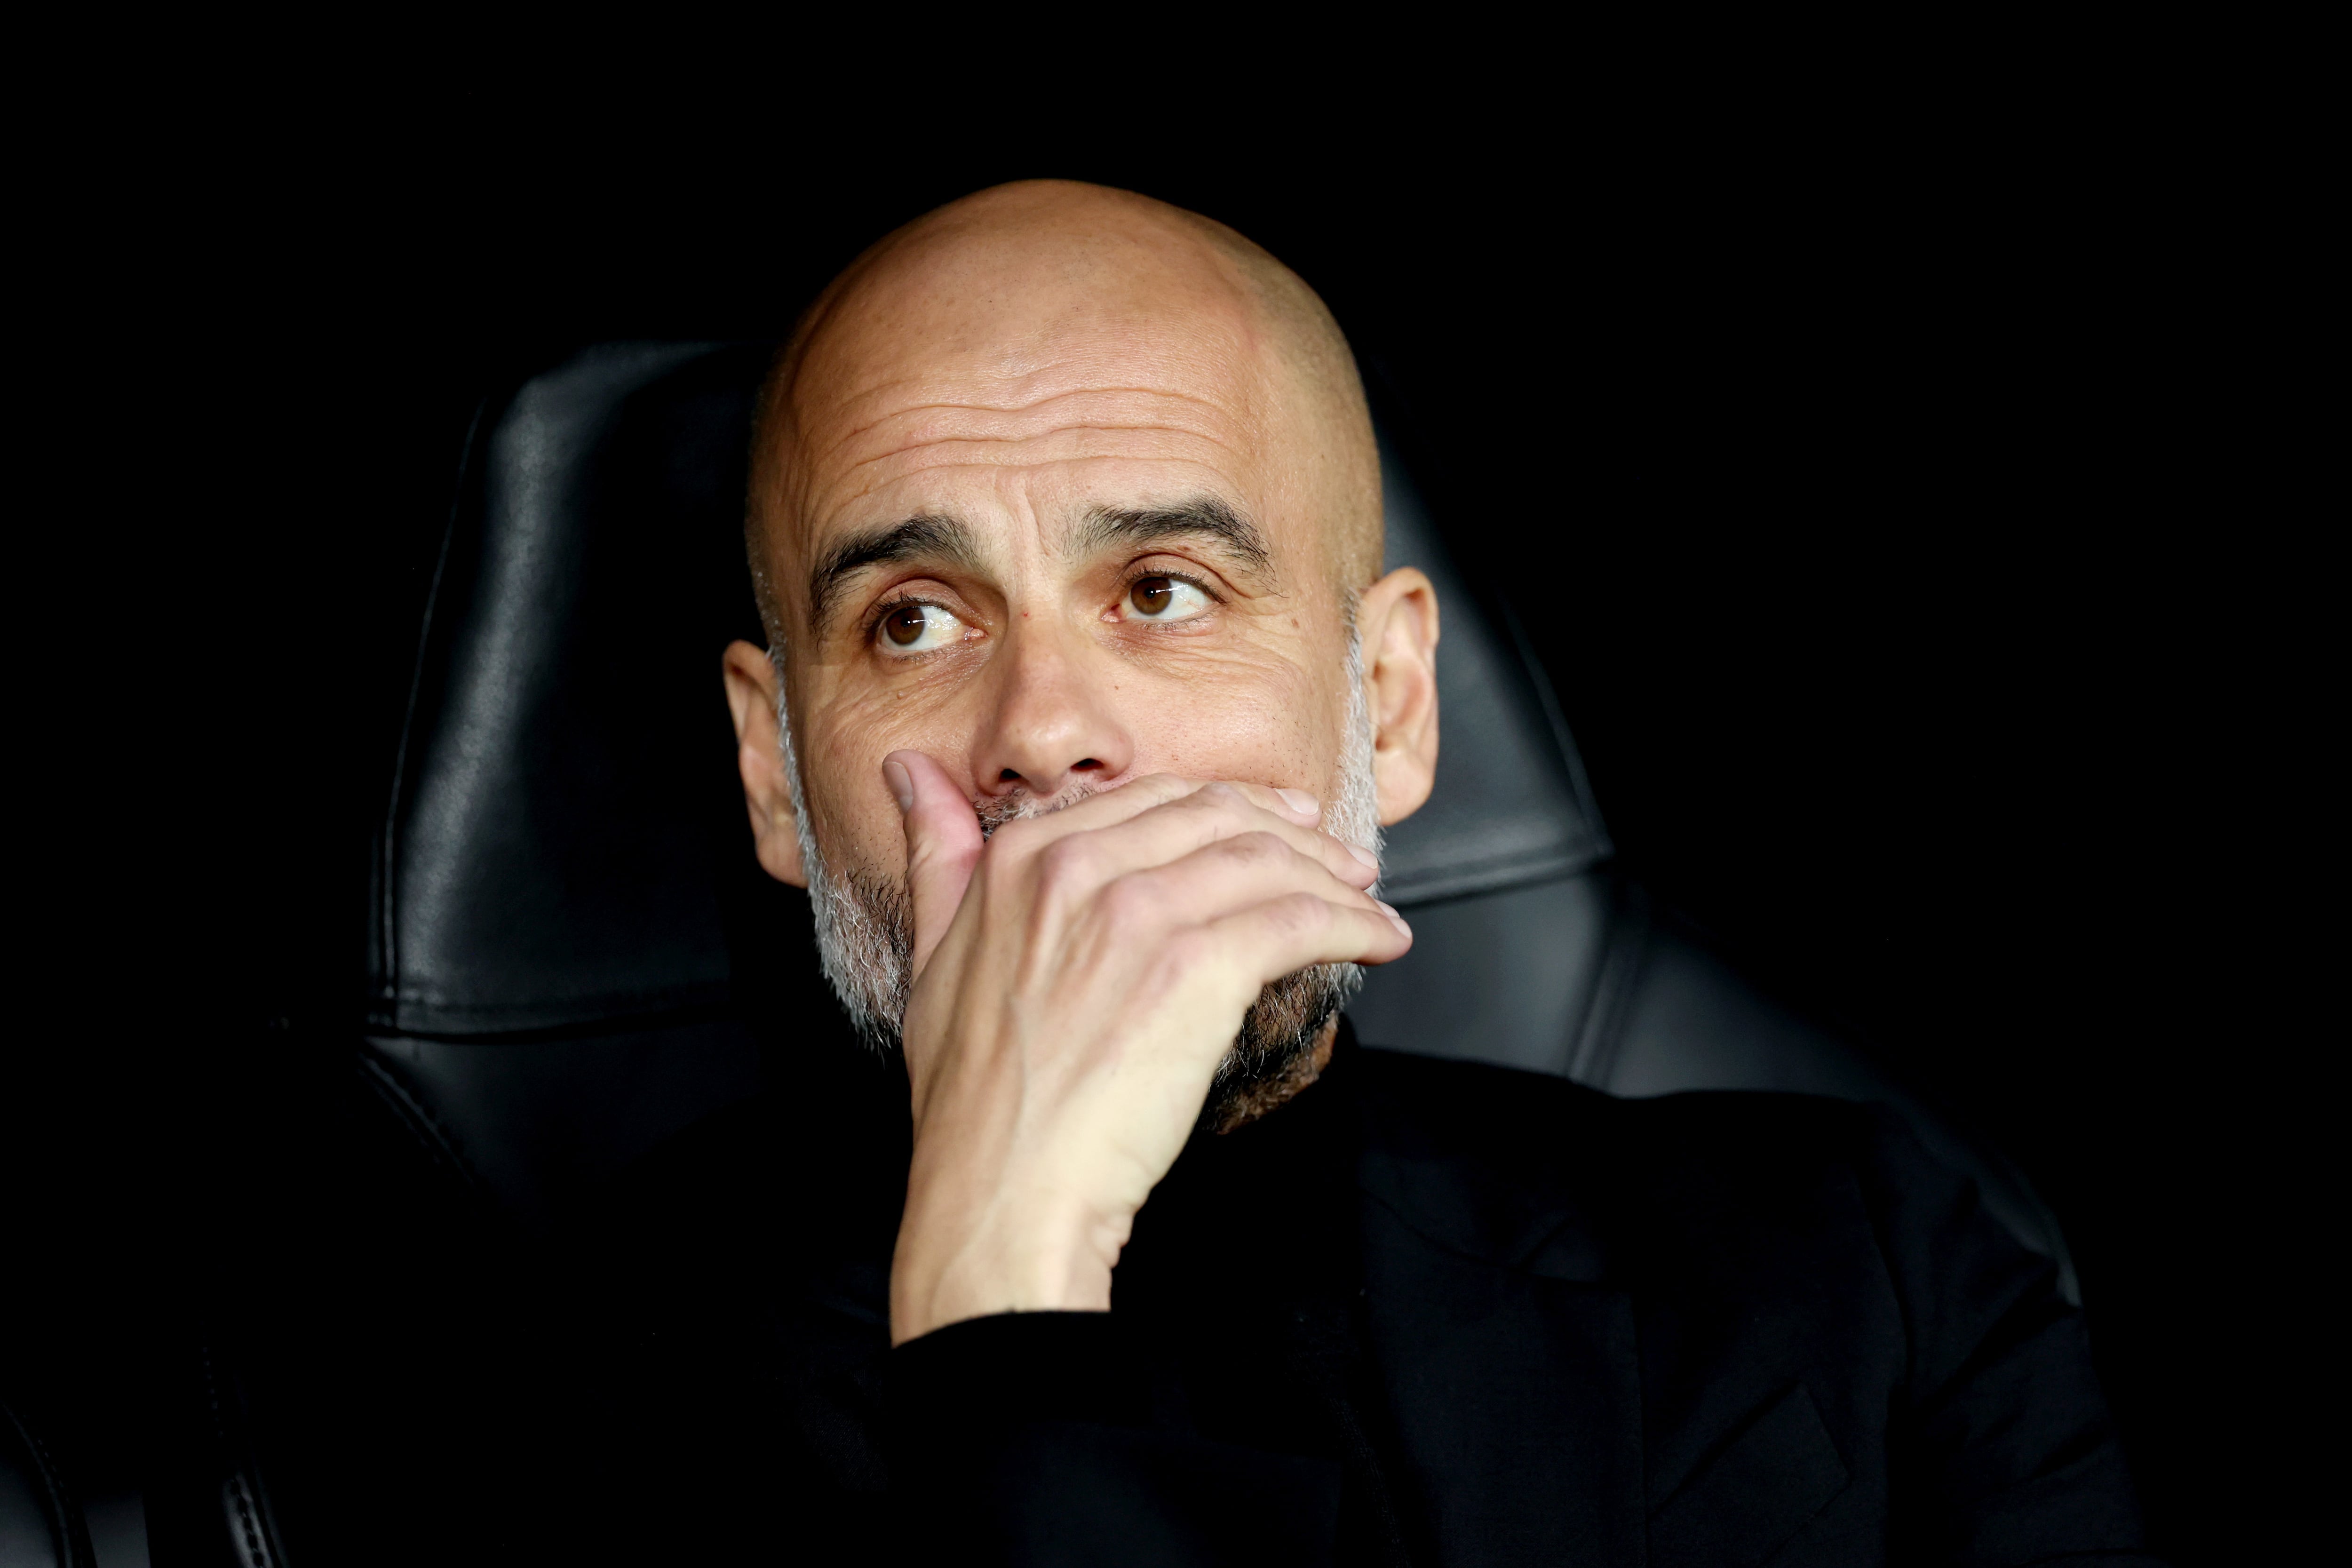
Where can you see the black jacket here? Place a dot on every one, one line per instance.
(1428, 1312)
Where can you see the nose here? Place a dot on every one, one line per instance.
(1052, 723)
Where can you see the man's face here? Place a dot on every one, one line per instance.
(1055, 538)
(1063, 489)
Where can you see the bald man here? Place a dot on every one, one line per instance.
(1084, 703)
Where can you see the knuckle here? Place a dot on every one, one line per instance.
(1220, 796)
(1313, 914)
(1258, 849)
(1126, 903)
(1066, 862)
(1186, 951)
(1161, 792)
(1296, 915)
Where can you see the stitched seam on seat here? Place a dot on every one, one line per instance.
(247, 1519)
(388, 859)
(424, 998)
(458, 1017)
(418, 1122)
(1497, 876)
(54, 1493)
(1563, 739)
(1560, 844)
(253, 1550)
(1599, 1037)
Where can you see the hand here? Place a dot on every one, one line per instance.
(1078, 977)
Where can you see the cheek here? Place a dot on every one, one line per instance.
(1264, 723)
(855, 827)
(856, 821)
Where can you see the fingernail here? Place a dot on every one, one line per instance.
(1364, 857)
(901, 782)
(1388, 908)
(1397, 920)
(1299, 800)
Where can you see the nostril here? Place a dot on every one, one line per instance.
(1086, 765)
(1007, 775)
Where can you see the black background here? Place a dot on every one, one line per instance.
(1896, 491)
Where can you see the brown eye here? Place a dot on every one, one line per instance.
(1152, 596)
(904, 626)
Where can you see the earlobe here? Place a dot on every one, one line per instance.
(1397, 618)
(750, 679)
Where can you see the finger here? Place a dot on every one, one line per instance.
(943, 844)
(1266, 942)
(1220, 878)
(1208, 815)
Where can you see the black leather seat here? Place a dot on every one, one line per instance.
(40, 1519)
(573, 957)
(560, 863)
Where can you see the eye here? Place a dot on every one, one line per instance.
(1164, 599)
(913, 628)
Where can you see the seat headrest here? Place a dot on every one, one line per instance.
(565, 821)
(1510, 806)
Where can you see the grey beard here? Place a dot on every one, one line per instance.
(865, 923)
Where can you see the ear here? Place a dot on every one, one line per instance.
(760, 756)
(1397, 618)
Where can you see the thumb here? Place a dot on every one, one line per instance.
(943, 844)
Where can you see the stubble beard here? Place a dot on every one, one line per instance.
(865, 927)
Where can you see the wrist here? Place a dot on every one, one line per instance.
(1016, 1254)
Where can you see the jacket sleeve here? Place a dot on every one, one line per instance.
(1029, 1439)
(2002, 1448)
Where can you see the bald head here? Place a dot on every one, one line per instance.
(1041, 310)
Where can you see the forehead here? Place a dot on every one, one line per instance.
(1070, 373)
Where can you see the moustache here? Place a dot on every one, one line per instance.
(996, 811)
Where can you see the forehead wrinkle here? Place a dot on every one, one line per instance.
(835, 502)
(986, 441)
(848, 437)
(1034, 283)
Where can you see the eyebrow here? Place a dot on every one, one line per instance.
(927, 535)
(1105, 528)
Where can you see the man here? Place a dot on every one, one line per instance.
(1084, 702)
